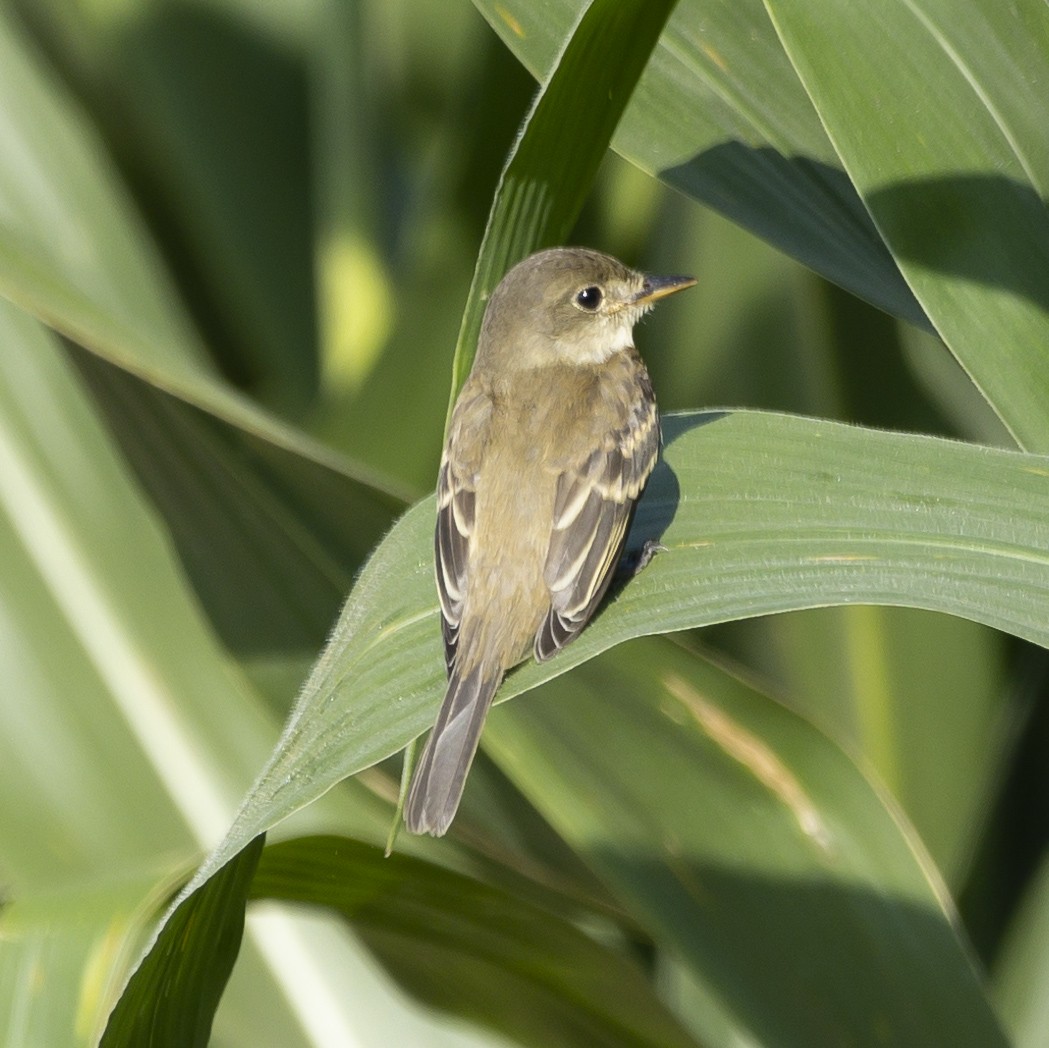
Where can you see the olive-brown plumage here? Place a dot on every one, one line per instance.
(550, 444)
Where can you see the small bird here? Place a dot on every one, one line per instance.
(551, 442)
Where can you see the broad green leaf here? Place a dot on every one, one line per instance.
(270, 539)
(71, 247)
(759, 513)
(878, 680)
(752, 848)
(128, 737)
(882, 682)
(937, 119)
(553, 163)
(74, 253)
(104, 634)
(214, 119)
(172, 997)
(258, 511)
(471, 949)
(720, 115)
(459, 945)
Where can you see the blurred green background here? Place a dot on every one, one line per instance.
(258, 223)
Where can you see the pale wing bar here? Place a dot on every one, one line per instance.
(455, 523)
(593, 507)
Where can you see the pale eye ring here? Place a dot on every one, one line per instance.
(589, 298)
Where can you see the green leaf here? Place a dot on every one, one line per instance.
(72, 249)
(471, 949)
(749, 846)
(1022, 968)
(883, 681)
(257, 509)
(261, 531)
(553, 163)
(759, 513)
(214, 126)
(128, 734)
(721, 115)
(172, 997)
(75, 254)
(125, 678)
(64, 953)
(957, 188)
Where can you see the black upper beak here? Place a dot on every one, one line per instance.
(655, 288)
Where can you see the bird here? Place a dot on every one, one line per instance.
(549, 446)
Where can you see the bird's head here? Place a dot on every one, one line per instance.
(567, 305)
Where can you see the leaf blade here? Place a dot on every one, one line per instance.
(740, 837)
(956, 188)
(471, 949)
(760, 513)
(550, 169)
(172, 997)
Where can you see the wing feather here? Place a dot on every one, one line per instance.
(593, 506)
(456, 507)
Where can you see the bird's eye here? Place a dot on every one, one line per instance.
(589, 298)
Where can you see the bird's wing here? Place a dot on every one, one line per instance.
(456, 502)
(592, 510)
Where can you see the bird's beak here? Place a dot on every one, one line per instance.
(655, 288)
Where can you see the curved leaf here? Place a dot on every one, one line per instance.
(752, 848)
(128, 735)
(471, 949)
(74, 254)
(721, 115)
(881, 682)
(261, 531)
(954, 175)
(171, 999)
(551, 167)
(759, 513)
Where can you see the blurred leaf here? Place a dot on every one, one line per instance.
(172, 996)
(958, 188)
(258, 510)
(553, 163)
(757, 853)
(215, 117)
(270, 539)
(128, 737)
(64, 953)
(882, 682)
(74, 253)
(470, 949)
(943, 381)
(202, 106)
(759, 513)
(721, 115)
(1021, 976)
(106, 630)
(354, 290)
(71, 248)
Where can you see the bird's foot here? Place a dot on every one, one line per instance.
(634, 563)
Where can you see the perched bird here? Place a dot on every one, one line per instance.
(551, 442)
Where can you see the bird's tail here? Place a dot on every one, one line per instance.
(440, 775)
